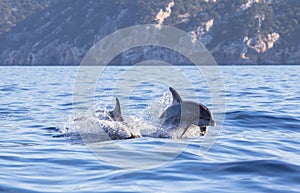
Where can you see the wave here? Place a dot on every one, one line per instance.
(263, 120)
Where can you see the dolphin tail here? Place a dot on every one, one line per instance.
(176, 96)
(116, 113)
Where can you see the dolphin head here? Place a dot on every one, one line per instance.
(205, 117)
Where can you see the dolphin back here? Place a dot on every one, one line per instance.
(176, 97)
(116, 113)
(176, 100)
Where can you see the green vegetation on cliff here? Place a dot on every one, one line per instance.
(235, 31)
(14, 11)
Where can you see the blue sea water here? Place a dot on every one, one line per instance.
(257, 148)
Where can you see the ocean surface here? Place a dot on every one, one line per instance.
(254, 148)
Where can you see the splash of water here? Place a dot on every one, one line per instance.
(96, 125)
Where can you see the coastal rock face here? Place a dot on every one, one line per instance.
(235, 32)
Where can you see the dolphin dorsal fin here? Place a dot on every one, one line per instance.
(116, 113)
(176, 97)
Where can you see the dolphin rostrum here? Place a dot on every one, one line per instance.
(182, 114)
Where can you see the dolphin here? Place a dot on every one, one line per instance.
(120, 129)
(182, 114)
(113, 123)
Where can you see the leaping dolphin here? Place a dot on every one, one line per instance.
(122, 130)
(113, 123)
(182, 114)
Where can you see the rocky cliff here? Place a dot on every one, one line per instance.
(235, 31)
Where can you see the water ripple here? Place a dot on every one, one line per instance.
(256, 151)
